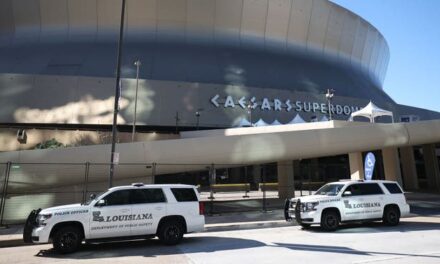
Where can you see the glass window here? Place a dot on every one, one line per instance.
(184, 194)
(117, 198)
(393, 187)
(354, 189)
(140, 196)
(370, 189)
(330, 189)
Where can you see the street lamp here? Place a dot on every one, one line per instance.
(138, 64)
(117, 95)
(329, 95)
(198, 112)
(249, 106)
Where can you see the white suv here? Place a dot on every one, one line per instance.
(125, 212)
(356, 201)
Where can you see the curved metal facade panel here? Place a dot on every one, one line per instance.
(318, 26)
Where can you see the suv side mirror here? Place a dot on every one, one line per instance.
(92, 196)
(100, 203)
(347, 193)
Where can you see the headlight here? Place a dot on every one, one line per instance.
(42, 218)
(310, 206)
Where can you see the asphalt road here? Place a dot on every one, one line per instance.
(415, 240)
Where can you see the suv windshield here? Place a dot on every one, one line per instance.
(330, 189)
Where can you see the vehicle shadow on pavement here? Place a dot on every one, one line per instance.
(379, 227)
(153, 248)
(346, 250)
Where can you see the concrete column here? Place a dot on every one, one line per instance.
(286, 188)
(431, 167)
(356, 166)
(256, 175)
(409, 168)
(391, 164)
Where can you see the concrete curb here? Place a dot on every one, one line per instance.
(246, 225)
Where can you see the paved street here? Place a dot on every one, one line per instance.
(416, 240)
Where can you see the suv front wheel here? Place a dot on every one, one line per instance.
(330, 220)
(170, 232)
(67, 239)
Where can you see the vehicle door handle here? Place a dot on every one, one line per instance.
(158, 208)
(125, 210)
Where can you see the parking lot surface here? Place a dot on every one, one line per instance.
(415, 240)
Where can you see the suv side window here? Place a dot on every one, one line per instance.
(370, 189)
(354, 189)
(121, 197)
(392, 188)
(184, 194)
(140, 196)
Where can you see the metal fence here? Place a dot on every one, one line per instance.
(223, 187)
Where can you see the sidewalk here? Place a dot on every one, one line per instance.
(13, 235)
(421, 204)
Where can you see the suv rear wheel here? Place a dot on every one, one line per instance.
(67, 239)
(330, 220)
(170, 232)
(391, 216)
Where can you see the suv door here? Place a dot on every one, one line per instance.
(362, 201)
(110, 215)
(148, 207)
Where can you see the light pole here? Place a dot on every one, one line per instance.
(138, 64)
(249, 106)
(198, 112)
(329, 95)
(197, 116)
(117, 95)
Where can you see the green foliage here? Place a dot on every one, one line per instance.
(49, 144)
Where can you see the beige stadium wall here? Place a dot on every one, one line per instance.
(319, 26)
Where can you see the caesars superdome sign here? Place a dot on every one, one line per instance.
(276, 104)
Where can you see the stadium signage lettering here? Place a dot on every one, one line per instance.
(275, 104)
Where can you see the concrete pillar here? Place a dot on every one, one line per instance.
(391, 164)
(356, 166)
(286, 188)
(409, 170)
(431, 167)
(256, 175)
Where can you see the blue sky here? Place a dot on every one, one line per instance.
(412, 29)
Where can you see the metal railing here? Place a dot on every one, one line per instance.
(223, 187)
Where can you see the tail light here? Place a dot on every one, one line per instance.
(201, 208)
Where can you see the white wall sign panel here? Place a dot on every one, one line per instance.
(6, 22)
(141, 19)
(228, 15)
(109, 19)
(359, 43)
(318, 25)
(299, 21)
(83, 21)
(27, 20)
(171, 21)
(334, 30)
(54, 19)
(253, 22)
(200, 20)
(348, 35)
(278, 20)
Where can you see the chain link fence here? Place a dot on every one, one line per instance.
(222, 187)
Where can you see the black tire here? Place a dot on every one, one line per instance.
(305, 226)
(330, 220)
(67, 239)
(170, 232)
(391, 216)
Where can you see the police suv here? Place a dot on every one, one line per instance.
(125, 212)
(357, 201)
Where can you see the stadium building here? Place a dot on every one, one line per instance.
(204, 65)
